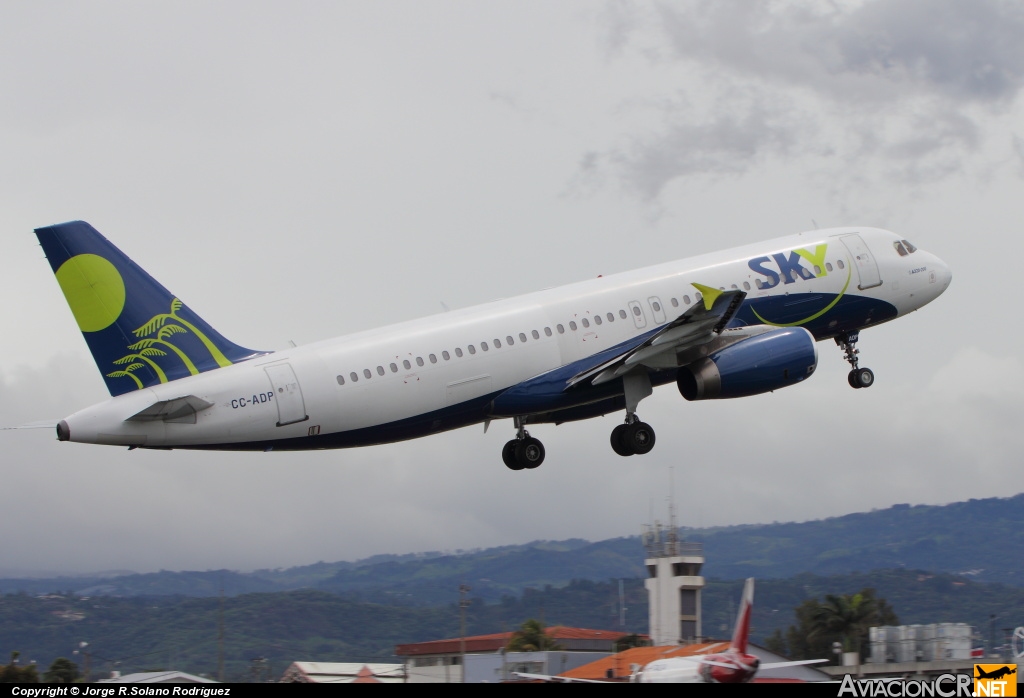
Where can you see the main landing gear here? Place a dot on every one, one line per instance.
(634, 438)
(524, 451)
(859, 377)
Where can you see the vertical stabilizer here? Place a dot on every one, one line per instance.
(139, 333)
(742, 631)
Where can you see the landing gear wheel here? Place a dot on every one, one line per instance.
(529, 453)
(508, 455)
(638, 437)
(618, 444)
(861, 378)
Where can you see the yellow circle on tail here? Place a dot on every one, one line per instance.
(94, 290)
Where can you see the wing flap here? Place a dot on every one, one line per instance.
(697, 325)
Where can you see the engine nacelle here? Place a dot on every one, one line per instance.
(751, 366)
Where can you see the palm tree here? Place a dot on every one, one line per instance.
(847, 616)
(127, 371)
(158, 321)
(161, 337)
(531, 637)
(144, 355)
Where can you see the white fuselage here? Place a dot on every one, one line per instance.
(436, 373)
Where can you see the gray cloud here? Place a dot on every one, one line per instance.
(893, 85)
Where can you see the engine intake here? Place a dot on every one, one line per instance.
(751, 366)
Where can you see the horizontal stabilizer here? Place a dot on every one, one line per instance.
(181, 410)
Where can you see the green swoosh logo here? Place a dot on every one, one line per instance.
(849, 275)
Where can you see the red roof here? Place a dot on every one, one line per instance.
(495, 641)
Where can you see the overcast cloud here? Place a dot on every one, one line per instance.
(295, 173)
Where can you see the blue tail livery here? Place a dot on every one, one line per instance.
(140, 334)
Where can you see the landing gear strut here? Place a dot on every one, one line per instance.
(524, 451)
(634, 437)
(858, 377)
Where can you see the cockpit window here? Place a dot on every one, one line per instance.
(910, 248)
(900, 248)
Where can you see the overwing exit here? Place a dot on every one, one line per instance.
(730, 324)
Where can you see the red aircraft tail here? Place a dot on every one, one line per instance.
(742, 631)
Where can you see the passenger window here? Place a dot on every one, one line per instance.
(586, 322)
(509, 341)
(483, 345)
(841, 265)
(472, 349)
(354, 377)
(445, 355)
(433, 359)
(622, 314)
(547, 331)
(735, 287)
(394, 368)
(757, 282)
(572, 325)
(817, 270)
(746, 285)
(341, 380)
(522, 337)
(497, 343)
(657, 306)
(597, 319)
(636, 310)
(458, 352)
(675, 303)
(380, 370)
(419, 360)
(407, 364)
(366, 372)
(561, 330)
(828, 266)
(611, 317)
(698, 296)
(686, 300)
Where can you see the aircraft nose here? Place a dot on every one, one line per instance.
(944, 275)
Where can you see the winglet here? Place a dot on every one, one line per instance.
(710, 294)
(742, 631)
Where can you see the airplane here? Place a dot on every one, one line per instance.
(733, 665)
(722, 325)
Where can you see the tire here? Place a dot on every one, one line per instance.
(865, 377)
(851, 378)
(618, 443)
(529, 453)
(508, 455)
(639, 436)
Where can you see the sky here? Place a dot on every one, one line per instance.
(298, 171)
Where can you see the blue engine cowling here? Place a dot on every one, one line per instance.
(751, 366)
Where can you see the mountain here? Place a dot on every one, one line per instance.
(982, 539)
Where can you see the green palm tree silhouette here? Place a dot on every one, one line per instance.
(128, 372)
(158, 321)
(161, 337)
(144, 355)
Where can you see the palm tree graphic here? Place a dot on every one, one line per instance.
(127, 371)
(144, 355)
(161, 339)
(158, 321)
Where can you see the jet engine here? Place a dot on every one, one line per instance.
(751, 366)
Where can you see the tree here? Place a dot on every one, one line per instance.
(531, 637)
(844, 619)
(12, 673)
(63, 670)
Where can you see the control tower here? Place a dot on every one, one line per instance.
(673, 585)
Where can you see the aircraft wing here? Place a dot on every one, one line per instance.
(696, 326)
(556, 679)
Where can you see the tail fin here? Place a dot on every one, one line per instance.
(139, 333)
(742, 631)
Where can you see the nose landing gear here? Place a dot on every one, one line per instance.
(858, 377)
